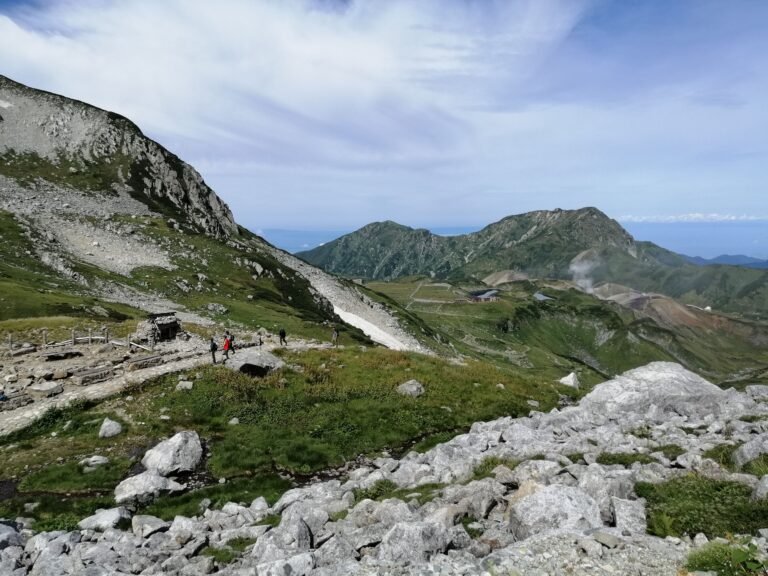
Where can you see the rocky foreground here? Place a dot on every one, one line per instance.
(547, 515)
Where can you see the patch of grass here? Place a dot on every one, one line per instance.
(754, 418)
(693, 504)
(625, 459)
(385, 489)
(429, 442)
(730, 559)
(642, 432)
(70, 477)
(243, 490)
(757, 467)
(56, 511)
(222, 556)
(575, 457)
(723, 455)
(486, 467)
(340, 515)
(670, 451)
(473, 532)
(271, 520)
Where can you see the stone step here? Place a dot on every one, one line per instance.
(143, 362)
(92, 375)
(60, 354)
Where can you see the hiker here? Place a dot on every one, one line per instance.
(227, 346)
(3, 397)
(231, 341)
(283, 341)
(334, 336)
(213, 347)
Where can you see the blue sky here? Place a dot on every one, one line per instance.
(433, 113)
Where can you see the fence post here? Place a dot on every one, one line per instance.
(90, 336)
(73, 337)
(106, 336)
(45, 337)
(10, 342)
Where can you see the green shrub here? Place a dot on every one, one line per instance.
(380, 490)
(722, 454)
(623, 458)
(670, 451)
(757, 467)
(727, 560)
(693, 504)
(485, 468)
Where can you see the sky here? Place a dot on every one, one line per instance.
(329, 114)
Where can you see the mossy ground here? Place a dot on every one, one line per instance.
(327, 408)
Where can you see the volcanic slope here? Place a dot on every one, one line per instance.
(100, 223)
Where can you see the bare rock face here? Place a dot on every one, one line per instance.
(55, 129)
(180, 453)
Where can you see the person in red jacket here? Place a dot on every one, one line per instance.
(227, 346)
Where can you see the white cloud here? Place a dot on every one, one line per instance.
(331, 113)
(694, 217)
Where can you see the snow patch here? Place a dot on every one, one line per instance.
(371, 330)
(5, 104)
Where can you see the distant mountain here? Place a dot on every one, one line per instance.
(729, 260)
(584, 245)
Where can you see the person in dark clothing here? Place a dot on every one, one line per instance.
(335, 336)
(213, 347)
(283, 341)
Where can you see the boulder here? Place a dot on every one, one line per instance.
(94, 461)
(553, 508)
(9, 536)
(298, 565)
(144, 487)
(254, 362)
(45, 389)
(144, 525)
(109, 428)
(413, 542)
(180, 453)
(184, 385)
(538, 470)
(663, 387)
(104, 519)
(751, 450)
(572, 380)
(761, 490)
(757, 391)
(629, 515)
(412, 388)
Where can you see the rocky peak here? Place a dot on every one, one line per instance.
(53, 138)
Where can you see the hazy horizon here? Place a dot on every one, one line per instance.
(704, 239)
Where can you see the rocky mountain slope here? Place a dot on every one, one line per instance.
(584, 245)
(573, 491)
(101, 221)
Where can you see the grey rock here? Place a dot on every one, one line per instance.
(553, 508)
(109, 428)
(757, 391)
(180, 453)
(537, 470)
(184, 385)
(104, 519)
(412, 388)
(94, 461)
(298, 565)
(9, 536)
(572, 380)
(412, 542)
(751, 450)
(144, 525)
(700, 540)
(761, 490)
(606, 538)
(629, 515)
(254, 362)
(144, 487)
(45, 389)
(335, 550)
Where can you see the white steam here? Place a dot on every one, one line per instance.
(582, 273)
